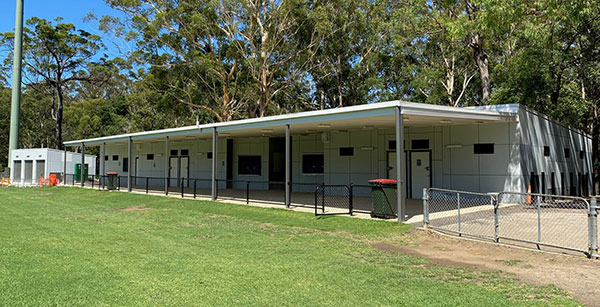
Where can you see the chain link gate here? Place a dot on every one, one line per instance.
(553, 221)
(333, 200)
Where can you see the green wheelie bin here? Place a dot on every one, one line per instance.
(112, 180)
(383, 196)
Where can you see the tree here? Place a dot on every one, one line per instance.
(55, 58)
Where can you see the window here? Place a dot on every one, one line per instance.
(420, 144)
(581, 154)
(313, 164)
(483, 149)
(567, 153)
(546, 151)
(115, 158)
(105, 158)
(174, 152)
(125, 164)
(249, 165)
(392, 145)
(150, 157)
(185, 152)
(346, 151)
(209, 155)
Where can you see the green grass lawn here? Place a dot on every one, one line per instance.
(69, 246)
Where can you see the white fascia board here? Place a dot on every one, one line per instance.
(361, 111)
(308, 119)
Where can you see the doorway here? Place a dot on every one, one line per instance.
(41, 169)
(178, 170)
(420, 172)
(276, 163)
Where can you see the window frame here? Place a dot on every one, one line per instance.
(239, 165)
(313, 154)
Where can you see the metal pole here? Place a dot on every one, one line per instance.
(214, 165)
(167, 165)
(82, 164)
(15, 108)
(182, 187)
(129, 166)
(539, 221)
(103, 159)
(147, 179)
(195, 180)
(288, 161)
(593, 229)
(458, 204)
(351, 199)
(247, 192)
(425, 209)
(400, 171)
(65, 166)
(496, 230)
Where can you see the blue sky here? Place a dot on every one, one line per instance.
(73, 11)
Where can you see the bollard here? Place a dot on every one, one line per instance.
(425, 208)
(593, 230)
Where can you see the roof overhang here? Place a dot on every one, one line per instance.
(376, 115)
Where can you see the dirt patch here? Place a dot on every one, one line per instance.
(141, 207)
(575, 274)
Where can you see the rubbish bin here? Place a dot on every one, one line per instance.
(112, 180)
(383, 196)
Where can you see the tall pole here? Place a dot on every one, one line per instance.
(214, 165)
(400, 169)
(288, 161)
(16, 81)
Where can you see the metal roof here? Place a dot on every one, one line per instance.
(344, 113)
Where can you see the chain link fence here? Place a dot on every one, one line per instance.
(333, 200)
(549, 221)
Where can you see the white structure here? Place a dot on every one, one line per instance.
(28, 165)
(483, 149)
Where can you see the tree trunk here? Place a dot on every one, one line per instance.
(481, 60)
(59, 119)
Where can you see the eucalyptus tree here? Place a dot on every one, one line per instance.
(56, 57)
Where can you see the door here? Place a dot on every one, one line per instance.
(41, 169)
(391, 165)
(17, 171)
(420, 172)
(174, 171)
(28, 171)
(276, 163)
(184, 170)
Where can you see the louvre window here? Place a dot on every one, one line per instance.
(483, 149)
(346, 151)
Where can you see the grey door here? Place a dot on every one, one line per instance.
(41, 169)
(28, 171)
(174, 171)
(17, 171)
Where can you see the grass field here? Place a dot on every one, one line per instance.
(69, 246)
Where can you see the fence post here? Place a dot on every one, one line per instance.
(425, 208)
(323, 198)
(92, 182)
(119, 183)
(147, 179)
(593, 230)
(458, 205)
(182, 186)
(496, 230)
(247, 192)
(351, 200)
(195, 180)
(539, 220)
